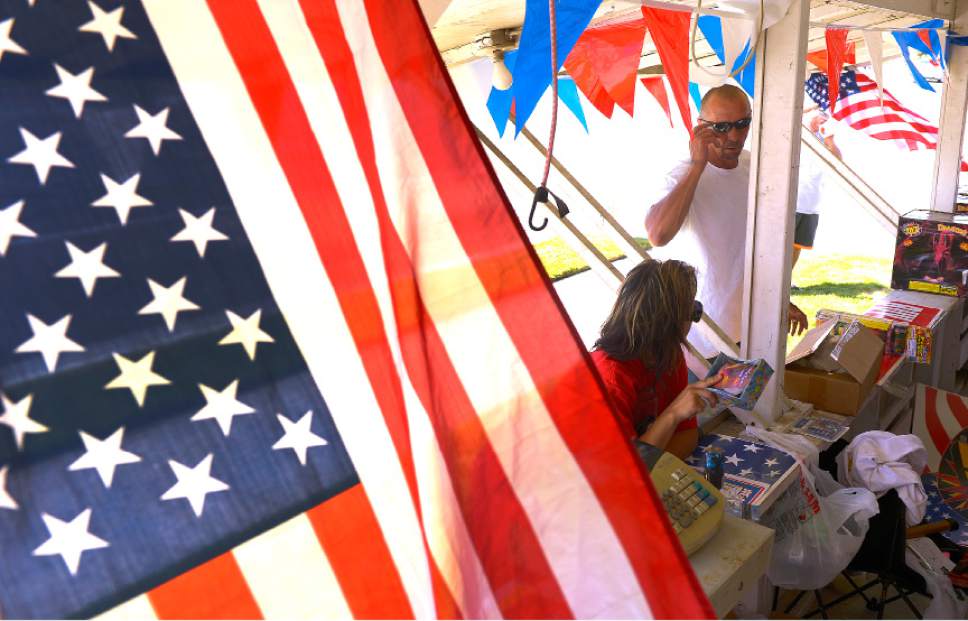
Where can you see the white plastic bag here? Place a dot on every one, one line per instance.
(831, 521)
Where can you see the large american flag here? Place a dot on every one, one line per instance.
(273, 343)
(859, 105)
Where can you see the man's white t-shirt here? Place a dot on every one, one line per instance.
(713, 240)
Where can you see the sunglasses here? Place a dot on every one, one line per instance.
(721, 127)
(696, 311)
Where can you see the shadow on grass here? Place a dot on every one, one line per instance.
(841, 289)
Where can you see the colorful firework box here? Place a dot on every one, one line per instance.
(743, 380)
(931, 254)
(900, 338)
(755, 475)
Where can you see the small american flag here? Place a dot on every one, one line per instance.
(859, 105)
(274, 344)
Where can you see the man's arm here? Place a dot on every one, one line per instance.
(665, 218)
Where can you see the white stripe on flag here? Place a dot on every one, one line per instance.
(139, 608)
(444, 526)
(289, 574)
(553, 490)
(268, 210)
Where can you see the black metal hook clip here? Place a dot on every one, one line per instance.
(541, 195)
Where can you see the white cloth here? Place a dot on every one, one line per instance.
(882, 461)
(712, 239)
(810, 184)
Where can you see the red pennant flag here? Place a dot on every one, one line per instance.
(925, 35)
(655, 85)
(670, 32)
(582, 71)
(836, 53)
(819, 58)
(613, 51)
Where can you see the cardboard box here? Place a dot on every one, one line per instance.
(834, 373)
(931, 254)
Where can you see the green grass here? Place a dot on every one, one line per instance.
(826, 280)
(560, 261)
(838, 282)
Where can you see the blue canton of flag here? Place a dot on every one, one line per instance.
(816, 86)
(753, 473)
(937, 510)
(155, 408)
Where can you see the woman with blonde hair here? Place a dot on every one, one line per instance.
(639, 356)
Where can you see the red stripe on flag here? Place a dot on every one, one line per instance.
(348, 531)
(958, 408)
(939, 437)
(276, 101)
(549, 353)
(213, 590)
(478, 482)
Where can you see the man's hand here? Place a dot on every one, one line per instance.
(693, 399)
(703, 137)
(798, 320)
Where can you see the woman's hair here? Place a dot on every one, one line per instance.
(653, 305)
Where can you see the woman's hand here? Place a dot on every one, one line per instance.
(693, 399)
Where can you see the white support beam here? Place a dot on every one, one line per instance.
(943, 9)
(951, 128)
(774, 170)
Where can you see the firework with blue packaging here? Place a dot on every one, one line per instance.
(742, 381)
(713, 467)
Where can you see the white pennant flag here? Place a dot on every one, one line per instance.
(875, 47)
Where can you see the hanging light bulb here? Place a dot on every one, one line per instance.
(501, 78)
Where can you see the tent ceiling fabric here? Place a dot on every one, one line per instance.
(465, 21)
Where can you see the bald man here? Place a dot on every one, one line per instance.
(701, 219)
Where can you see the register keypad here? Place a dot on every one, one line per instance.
(685, 500)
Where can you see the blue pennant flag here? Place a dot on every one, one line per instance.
(499, 102)
(532, 73)
(712, 29)
(910, 39)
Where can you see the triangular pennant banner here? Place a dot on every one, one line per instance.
(836, 50)
(711, 27)
(613, 52)
(655, 85)
(532, 75)
(912, 39)
(499, 101)
(568, 94)
(875, 49)
(670, 33)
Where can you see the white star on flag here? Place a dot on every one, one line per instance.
(11, 227)
(87, 267)
(194, 484)
(41, 154)
(734, 459)
(752, 448)
(773, 473)
(246, 332)
(198, 230)
(298, 436)
(122, 197)
(17, 417)
(108, 25)
(6, 500)
(103, 455)
(69, 540)
(222, 406)
(6, 43)
(136, 376)
(49, 340)
(168, 301)
(771, 461)
(76, 88)
(745, 472)
(153, 128)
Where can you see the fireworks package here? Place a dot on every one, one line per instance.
(931, 254)
(743, 380)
